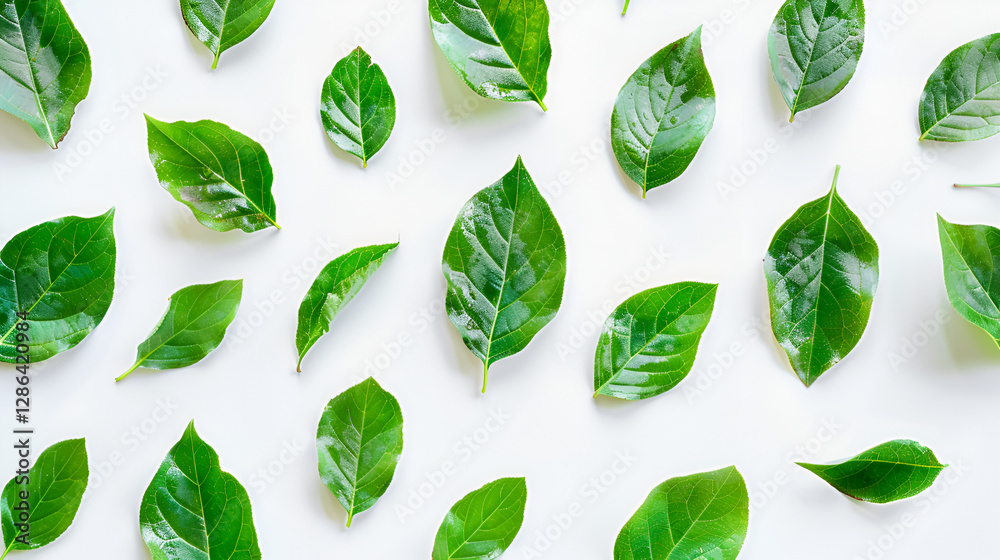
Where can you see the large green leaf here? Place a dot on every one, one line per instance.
(223, 176)
(54, 486)
(971, 257)
(701, 516)
(359, 440)
(814, 46)
(194, 325)
(885, 473)
(482, 525)
(822, 272)
(663, 114)
(335, 287)
(58, 278)
(499, 47)
(961, 101)
(222, 24)
(193, 510)
(44, 66)
(357, 106)
(649, 342)
(505, 264)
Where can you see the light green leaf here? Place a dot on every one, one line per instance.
(649, 342)
(961, 101)
(483, 524)
(663, 114)
(223, 176)
(505, 264)
(221, 25)
(697, 517)
(335, 287)
(499, 47)
(56, 284)
(357, 106)
(971, 257)
(193, 326)
(359, 440)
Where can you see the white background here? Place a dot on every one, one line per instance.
(745, 407)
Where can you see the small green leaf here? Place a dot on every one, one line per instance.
(359, 440)
(701, 516)
(483, 524)
(193, 326)
(505, 264)
(44, 66)
(193, 510)
(501, 49)
(223, 176)
(961, 101)
(663, 114)
(822, 272)
(885, 473)
(61, 275)
(357, 106)
(220, 26)
(335, 287)
(54, 486)
(648, 344)
(971, 257)
(814, 46)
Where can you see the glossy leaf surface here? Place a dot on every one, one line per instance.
(44, 66)
(359, 440)
(499, 47)
(885, 473)
(337, 284)
(971, 257)
(222, 25)
(700, 516)
(483, 524)
(961, 101)
(223, 176)
(822, 272)
(663, 114)
(357, 106)
(814, 47)
(193, 326)
(193, 510)
(61, 276)
(649, 342)
(55, 486)
(505, 264)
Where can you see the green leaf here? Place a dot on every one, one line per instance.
(359, 440)
(971, 257)
(961, 101)
(701, 516)
(505, 264)
(500, 48)
(193, 326)
(482, 525)
(193, 510)
(335, 287)
(220, 26)
(61, 276)
(648, 344)
(357, 106)
(223, 176)
(54, 486)
(822, 272)
(44, 66)
(663, 114)
(885, 473)
(814, 46)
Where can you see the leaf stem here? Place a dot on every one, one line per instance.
(486, 375)
(350, 517)
(626, 7)
(836, 177)
(542, 105)
(995, 186)
(117, 379)
(10, 546)
(215, 63)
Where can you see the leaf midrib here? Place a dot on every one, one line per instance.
(969, 268)
(35, 91)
